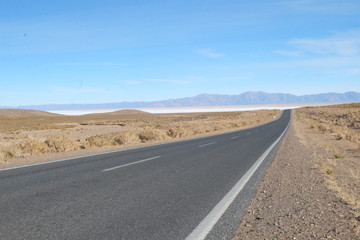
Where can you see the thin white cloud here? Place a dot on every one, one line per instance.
(344, 44)
(290, 53)
(210, 53)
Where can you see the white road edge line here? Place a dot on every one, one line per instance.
(234, 137)
(132, 163)
(207, 144)
(205, 226)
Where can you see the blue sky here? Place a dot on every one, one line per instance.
(113, 51)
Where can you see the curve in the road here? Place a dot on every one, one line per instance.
(158, 192)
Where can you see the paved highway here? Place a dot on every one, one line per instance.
(168, 191)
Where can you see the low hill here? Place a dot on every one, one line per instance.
(24, 113)
(128, 112)
(120, 113)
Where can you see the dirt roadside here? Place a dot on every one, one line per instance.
(295, 199)
(28, 137)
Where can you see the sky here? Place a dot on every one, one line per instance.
(59, 52)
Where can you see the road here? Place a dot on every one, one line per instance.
(158, 192)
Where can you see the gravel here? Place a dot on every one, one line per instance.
(293, 201)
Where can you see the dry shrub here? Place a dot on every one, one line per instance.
(234, 125)
(4, 155)
(52, 143)
(113, 139)
(208, 126)
(153, 134)
(180, 132)
(322, 128)
(175, 132)
(337, 155)
(339, 136)
(102, 140)
(30, 148)
(49, 144)
(61, 143)
(126, 137)
(99, 141)
(10, 153)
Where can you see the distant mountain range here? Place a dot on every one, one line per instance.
(247, 98)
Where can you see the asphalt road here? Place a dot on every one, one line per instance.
(157, 192)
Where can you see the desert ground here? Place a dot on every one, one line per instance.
(28, 136)
(312, 189)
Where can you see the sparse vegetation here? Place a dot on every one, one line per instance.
(336, 155)
(24, 135)
(339, 142)
(48, 144)
(342, 121)
(113, 139)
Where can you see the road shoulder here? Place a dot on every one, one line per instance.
(294, 202)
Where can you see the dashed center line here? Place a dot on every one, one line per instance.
(208, 223)
(234, 137)
(207, 144)
(128, 164)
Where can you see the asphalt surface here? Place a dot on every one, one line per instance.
(157, 192)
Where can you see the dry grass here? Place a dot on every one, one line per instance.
(113, 139)
(48, 144)
(336, 130)
(24, 134)
(337, 155)
(342, 121)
